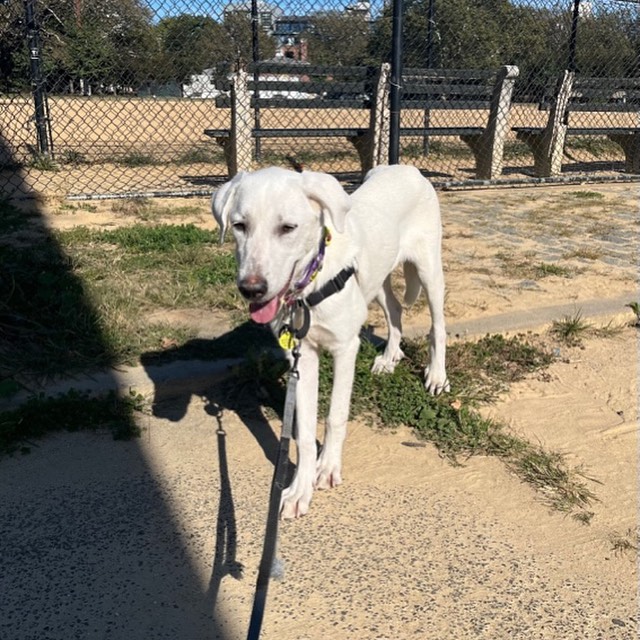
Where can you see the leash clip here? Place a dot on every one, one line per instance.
(298, 326)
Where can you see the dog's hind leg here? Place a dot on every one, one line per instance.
(432, 279)
(392, 309)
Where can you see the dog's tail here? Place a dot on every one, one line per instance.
(296, 165)
(413, 286)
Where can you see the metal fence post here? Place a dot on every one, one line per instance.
(431, 25)
(573, 37)
(255, 50)
(396, 82)
(43, 131)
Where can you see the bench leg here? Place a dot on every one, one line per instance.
(547, 150)
(488, 147)
(225, 143)
(363, 143)
(488, 158)
(630, 143)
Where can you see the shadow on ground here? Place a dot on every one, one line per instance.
(89, 545)
(249, 392)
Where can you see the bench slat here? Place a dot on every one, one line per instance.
(309, 133)
(600, 131)
(299, 103)
(487, 76)
(445, 104)
(440, 131)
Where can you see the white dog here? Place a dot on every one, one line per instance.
(282, 222)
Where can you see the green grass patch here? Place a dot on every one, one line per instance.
(598, 146)
(525, 267)
(72, 411)
(208, 154)
(587, 195)
(72, 157)
(478, 372)
(79, 299)
(571, 329)
(438, 148)
(43, 162)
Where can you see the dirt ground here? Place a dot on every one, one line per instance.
(409, 546)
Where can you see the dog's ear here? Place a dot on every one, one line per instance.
(222, 202)
(329, 194)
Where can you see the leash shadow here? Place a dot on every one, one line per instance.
(249, 387)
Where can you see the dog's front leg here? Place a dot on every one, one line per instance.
(329, 468)
(297, 497)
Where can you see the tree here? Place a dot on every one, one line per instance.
(97, 42)
(339, 39)
(188, 44)
(604, 46)
(238, 26)
(14, 66)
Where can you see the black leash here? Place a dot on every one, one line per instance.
(289, 338)
(277, 486)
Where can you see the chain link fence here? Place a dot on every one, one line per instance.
(115, 97)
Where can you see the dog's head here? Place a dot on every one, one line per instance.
(277, 218)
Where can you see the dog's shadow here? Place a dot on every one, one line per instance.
(248, 382)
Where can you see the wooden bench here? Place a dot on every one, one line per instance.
(573, 93)
(301, 86)
(448, 89)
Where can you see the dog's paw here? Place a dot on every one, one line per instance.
(296, 500)
(328, 474)
(436, 382)
(385, 363)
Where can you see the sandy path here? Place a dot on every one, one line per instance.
(157, 539)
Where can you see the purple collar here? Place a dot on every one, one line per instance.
(313, 268)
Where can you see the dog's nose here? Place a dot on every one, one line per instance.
(253, 287)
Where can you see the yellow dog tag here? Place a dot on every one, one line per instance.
(286, 339)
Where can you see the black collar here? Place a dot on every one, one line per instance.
(334, 285)
(300, 318)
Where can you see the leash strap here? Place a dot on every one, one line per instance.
(289, 338)
(273, 516)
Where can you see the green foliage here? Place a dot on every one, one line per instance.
(635, 307)
(72, 411)
(478, 369)
(570, 329)
(144, 239)
(115, 45)
(44, 317)
(452, 422)
(338, 38)
(189, 44)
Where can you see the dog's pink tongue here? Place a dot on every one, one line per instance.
(263, 313)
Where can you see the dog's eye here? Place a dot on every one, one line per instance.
(287, 228)
(240, 227)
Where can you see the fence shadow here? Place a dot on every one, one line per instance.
(89, 543)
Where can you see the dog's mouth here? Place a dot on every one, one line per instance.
(264, 312)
